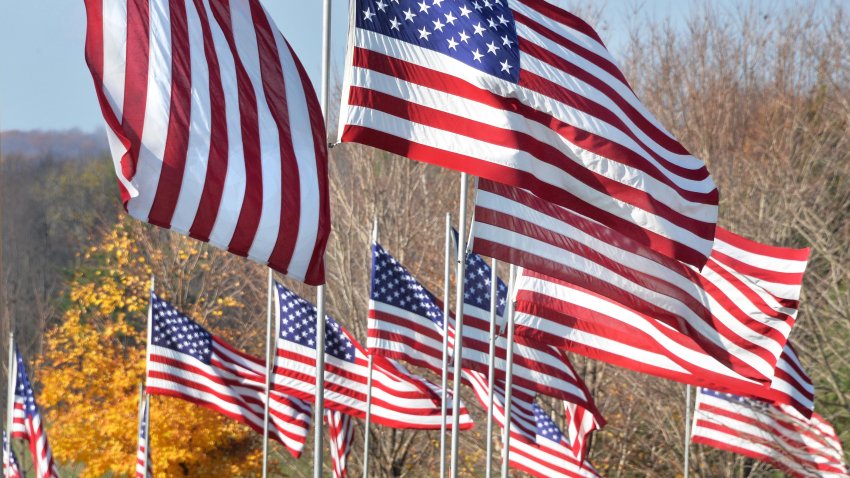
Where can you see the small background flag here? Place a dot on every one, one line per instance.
(28, 425)
(144, 467)
(214, 127)
(340, 435)
(775, 434)
(524, 93)
(14, 471)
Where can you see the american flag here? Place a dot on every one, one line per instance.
(144, 465)
(10, 470)
(775, 434)
(188, 362)
(399, 398)
(524, 93)
(728, 315)
(340, 434)
(537, 445)
(28, 425)
(406, 323)
(214, 127)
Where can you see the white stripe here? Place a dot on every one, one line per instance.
(157, 109)
(761, 261)
(198, 147)
(305, 154)
(233, 190)
(245, 37)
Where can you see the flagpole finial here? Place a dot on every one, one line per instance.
(153, 283)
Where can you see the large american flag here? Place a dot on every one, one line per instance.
(730, 316)
(10, 469)
(775, 434)
(537, 445)
(406, 323)
(188, 362)
(28, 425)
(399, 398)
(340, 435)
(525, 93)
(144, 465)
(214, 127)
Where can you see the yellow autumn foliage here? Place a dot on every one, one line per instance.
(94, 361)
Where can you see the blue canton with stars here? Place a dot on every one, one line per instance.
(546, 428)
(298, 325)
(476, 285)
(173, 330)
(480, 33)
(729, 397)
(24, 388)
(392, 284)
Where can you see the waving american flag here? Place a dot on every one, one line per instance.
(144, 465)
(28, 425)
(524, 93)
(340, 436)
(188, 362)
(10, 468)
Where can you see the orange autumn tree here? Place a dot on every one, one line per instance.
(94, 360)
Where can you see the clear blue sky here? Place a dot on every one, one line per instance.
(44, 82)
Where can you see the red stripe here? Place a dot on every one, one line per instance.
(563, 17)
(179, 116)
(252, 202)
(210, 201)
(274, 87)
(428, 329)
(136, 81)
(748, 245)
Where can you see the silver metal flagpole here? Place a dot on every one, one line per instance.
(147, 361)
(687, 429)
(491, 367)
(444, 375)
(458, 348)
(269, 369)
(369, 384)
(10, 404)
(509, 364)
(319, 406)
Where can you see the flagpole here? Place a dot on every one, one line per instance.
(491, 367)
(458, 347)
(319, 406)
(10, 404)
(444, 374)
(269, 371)
(687, 429)
(147, 363)
(509, 364)
(369, 384)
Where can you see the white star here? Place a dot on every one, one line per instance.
(477, 56)
(491, 23)
(394, 23)
(479, 30)
(438, 25)
(452, 44)
(450, 19)
(476, 5)
(423, 7)
(488, 4)
(464, 12)
(409, 15)
(506, 42)
(506, 67)
(438, 3)
(491, 48)
(382, 6)
(502, 20)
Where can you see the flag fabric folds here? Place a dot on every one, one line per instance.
(537, 445)
(340, 435)
(526, 94)
(144, 466)
(406, 323)
(775, 434)
(186, 361)
(724, 312)
(10, 468)
(214, 127)
(399, 398)
(28, 425)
